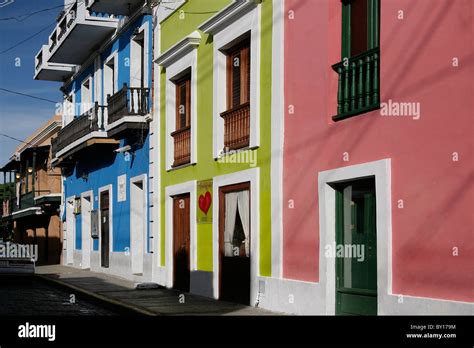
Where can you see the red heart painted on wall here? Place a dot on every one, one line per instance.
(205, 202)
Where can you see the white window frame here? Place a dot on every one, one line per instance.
(69, 108)
(114, 88)
(144, 28)
(85, 107)
(113, 56)
(224, 39)
(174, 72)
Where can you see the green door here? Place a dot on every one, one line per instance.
(356, 248)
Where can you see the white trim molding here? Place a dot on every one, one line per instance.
(86, 225)
(318, 298)
(381, 171)
(163, 12)
(134, 56)
(277, 138)
(227, 27)
(173, 73)
(70, 235)
(138, 269)
(228, 15)
(191, 188)
(252, 176)
(111, 219)
(179, 50)
(155, 157)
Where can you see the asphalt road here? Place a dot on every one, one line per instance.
(29, 296)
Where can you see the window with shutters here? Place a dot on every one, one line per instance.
(359, 68)
(182, 133)
(237, 116)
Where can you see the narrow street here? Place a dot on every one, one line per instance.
(27, 295)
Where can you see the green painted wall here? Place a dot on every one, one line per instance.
(175, 28)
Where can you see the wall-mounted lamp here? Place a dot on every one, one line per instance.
(18, 176)
(30, 170)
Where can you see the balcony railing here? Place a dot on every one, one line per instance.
(182, 146)
(358, 84)
(39, 61)
(53, 44)
(77, 27)
(129, 101)
(62, 29)
(60, 15)
(237, 127)
(27, 200)
(79, 127)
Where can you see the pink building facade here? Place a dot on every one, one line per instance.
(403, 169)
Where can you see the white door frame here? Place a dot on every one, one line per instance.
(252, 176)
(70, 230)
(381, 170)
(171, 191)
(138, 222)
(111, 220)
(87, 205)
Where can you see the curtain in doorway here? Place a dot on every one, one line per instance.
(244, 212)
(230, 214)
(233, 201)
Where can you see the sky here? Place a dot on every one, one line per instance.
(19, 115)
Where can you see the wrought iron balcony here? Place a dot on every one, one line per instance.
(127, 107)
(81, 126)
(78, 33)
(237, 127)
(44, 70)
(358, 84)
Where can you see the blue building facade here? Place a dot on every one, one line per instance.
(102, 54)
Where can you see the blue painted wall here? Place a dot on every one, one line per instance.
(99, 166)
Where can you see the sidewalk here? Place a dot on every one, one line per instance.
(153, 302)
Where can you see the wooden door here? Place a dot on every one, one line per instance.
(181, 242)
(104, 229)
(234, 266)
(356, 265)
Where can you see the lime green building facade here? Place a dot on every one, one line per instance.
(193, 40)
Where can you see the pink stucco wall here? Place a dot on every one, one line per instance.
(416, 66)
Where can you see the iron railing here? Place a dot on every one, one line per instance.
(129, 101)
(358, 84)
(86, 123)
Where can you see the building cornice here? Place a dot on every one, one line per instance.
(124, 25)
(51, 127)
(228, 15)
(179, 50)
